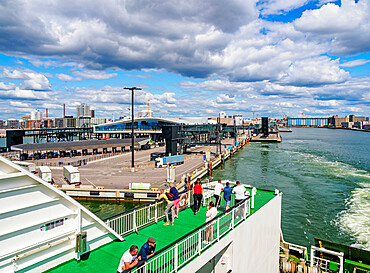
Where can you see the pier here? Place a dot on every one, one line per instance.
(107, 176)
(109, 180)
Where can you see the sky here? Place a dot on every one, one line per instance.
(190, 58)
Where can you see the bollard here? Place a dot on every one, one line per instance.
(210, 168)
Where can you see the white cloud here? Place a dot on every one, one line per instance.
(67, 78)
(354, 63)
(19, 104)
(347, 26)
(14, 74)
(4, 86)
(332, 18)
(224, 98)
(315, 71)
(280, 6)
(31, 79)
(36, 82)
(95, 75)
(23, 94)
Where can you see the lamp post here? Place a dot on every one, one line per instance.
(132, 125)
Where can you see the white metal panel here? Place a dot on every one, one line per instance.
(38, 222)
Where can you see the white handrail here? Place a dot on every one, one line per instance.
(179, 254)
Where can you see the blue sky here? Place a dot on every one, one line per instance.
(190, 58)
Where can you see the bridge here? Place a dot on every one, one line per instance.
(14, 137)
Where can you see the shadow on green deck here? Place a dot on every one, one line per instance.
(106, 258)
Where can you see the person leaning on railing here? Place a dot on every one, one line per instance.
(227, 194)
(146, 252)
(170, 205)
(210, 214)
(240, 194)
(129, 260)
(217, 192)
(198, 195)
(176, 200)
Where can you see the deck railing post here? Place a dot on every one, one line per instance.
(176, 257)
(199, 241)
(245, 209)
(232, 218)
(156, 213)
(134, 221)
(189, 196)
(218, 229)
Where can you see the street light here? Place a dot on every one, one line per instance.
(132, 125)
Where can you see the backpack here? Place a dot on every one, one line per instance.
(170, 196)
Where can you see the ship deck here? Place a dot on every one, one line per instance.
(107, 257)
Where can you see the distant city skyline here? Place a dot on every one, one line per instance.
(265, 58)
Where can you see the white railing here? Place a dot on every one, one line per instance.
(173, 257)
(134, 219)
(322, 264)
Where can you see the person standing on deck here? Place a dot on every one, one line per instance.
(210, 214)
(146, 252)
(198, 195)
(176, 200)
(227, 194)
(170, 205)
(240, 193)
(129, 260)
(217, 193)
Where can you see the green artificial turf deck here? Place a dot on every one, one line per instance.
(106, 258)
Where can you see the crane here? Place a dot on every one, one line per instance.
(148, 103)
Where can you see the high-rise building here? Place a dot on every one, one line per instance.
(12, 124)
(36, 115)
(83, 111)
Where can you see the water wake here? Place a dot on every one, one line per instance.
(356, 219)
(337, 168)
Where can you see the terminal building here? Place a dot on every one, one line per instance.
(307, 122)
(143, 127)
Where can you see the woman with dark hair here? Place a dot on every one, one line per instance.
(198, 195)
(210, 214)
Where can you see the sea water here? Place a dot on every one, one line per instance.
(324, 175)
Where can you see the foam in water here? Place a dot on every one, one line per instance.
(336, 168)
(356, 219)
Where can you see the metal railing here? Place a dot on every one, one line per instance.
(323, 264)
(131, 220)
(58, 162)
(179, 253)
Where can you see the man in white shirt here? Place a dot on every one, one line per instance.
(217, 193)
(239, 192)
(129, 260)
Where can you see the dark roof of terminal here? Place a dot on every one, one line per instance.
(77, 145)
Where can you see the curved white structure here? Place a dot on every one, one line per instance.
(39, 223)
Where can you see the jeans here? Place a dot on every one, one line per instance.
(168, 207)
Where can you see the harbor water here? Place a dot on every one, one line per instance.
(324, 175)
